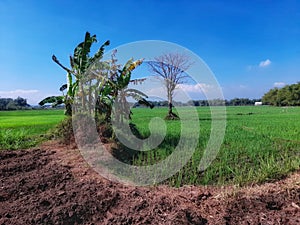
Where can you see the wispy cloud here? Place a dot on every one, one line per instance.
(17, 92)
(159, 92)
(195, 88)
(32, 96)
(262, 64)
(265, 63)
(183, 92)
(279, 84)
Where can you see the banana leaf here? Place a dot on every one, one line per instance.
(55, 100)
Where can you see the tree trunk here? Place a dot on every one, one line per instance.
(171, 115)
(170, 108)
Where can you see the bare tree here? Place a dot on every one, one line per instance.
(171, 68)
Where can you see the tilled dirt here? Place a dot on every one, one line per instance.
(54, 185)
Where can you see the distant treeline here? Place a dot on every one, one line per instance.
(13, 104)
(214, 102)
(286, 96)
(289, 95)
(232, 102)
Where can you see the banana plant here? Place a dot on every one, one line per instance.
(89, 79)
(80, 62)
(116, 90)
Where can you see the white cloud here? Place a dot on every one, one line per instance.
(155, 89)
(32, 96)
(279, 84)
(18, 92)
(183, 92)
(158, 92)
(265, 63)
(195, 88)
(262, 64)
(186, 92)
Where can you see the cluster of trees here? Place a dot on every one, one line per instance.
(289, 95)
(220, 102)
(241, 101)
(13, 104)
(214, 102)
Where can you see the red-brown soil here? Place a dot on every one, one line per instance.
(54, 185)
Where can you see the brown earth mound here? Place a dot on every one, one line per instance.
(54, 185)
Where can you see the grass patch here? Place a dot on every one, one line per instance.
(260, 144)
(25, 129)
(16, 139)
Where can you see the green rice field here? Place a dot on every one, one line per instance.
(24, 129)
(260, 144)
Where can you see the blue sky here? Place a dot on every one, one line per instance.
(251, 46)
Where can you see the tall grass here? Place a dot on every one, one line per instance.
(260, 144)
